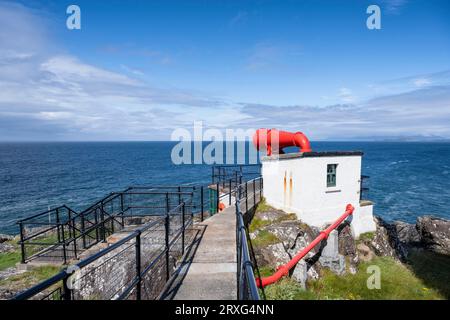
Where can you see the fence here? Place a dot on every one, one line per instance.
(248, 196)
(61, 234)
(135, 267)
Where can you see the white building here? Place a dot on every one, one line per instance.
(317, 186)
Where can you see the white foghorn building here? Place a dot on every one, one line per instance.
(317, 186)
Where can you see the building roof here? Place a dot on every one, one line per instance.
(314, 155)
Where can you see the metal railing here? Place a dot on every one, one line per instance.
(61, 234)
(249, 194)
(135, 267)
(362, 186)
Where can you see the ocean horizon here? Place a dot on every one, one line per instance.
(407, 179)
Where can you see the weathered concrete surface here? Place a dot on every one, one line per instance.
(212, 272)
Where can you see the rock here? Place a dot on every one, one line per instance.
(5, 237)
(300, 273)
(6, 247)
(434, 233)
(364, 252)
(273, 255)
(407, 233)
(336, 265)
(347, 246)
(271, 215)
(386, 241)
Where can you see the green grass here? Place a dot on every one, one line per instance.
(265, 238)
(263, 206)
(29, 278)
(397, 283)
(257, 224)
(8, 260)
(367, 236)
(433, 269)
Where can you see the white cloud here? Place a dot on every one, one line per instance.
(420, 82)
(346, 95)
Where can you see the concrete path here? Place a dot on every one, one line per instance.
(212, 272)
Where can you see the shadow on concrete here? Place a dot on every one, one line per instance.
(174, 283)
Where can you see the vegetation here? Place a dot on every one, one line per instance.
(29, 278)
(397, 282)
(263, 206)
(367, 236)
(264, 238)
(8, 260)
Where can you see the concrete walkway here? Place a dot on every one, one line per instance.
(211, 275)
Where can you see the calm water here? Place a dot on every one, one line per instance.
(406, 179)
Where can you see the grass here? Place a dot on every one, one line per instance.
(397, 283)
(433, 269)
(265, 238)
(366, 237)
(263, 206)
(257, 224)
(8, 260)
(29, 278)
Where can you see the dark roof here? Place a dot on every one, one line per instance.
(314, 154)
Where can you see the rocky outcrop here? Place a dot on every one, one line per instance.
(434, 234)
(292, 236)
(398, 238)
(386, 241)
(5, 237)
(5, 243)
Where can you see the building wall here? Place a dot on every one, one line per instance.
(299, 185)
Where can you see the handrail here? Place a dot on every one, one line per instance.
(245, 269)
(284, 269)
(65, 274)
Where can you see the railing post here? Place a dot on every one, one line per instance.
(201, 199)
(138, 265)
(63, 244)
(246, 196)
(218, 197)
(254, 192)
(97, 238)
(122, 209)
(102, 223)
(229, 199)
(57, 224)
(67, 293)
(183, 211)
(22, 244)
(83, 230)
(167, 229)
(260, 188)
(167, 235)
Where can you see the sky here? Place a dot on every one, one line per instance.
(138, 70)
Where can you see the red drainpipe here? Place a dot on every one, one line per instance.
(284, 269)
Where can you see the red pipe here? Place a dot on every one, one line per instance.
(284, 269)
(275, 140)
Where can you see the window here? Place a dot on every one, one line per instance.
(331, 175)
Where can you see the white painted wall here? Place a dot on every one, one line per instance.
(305, 191)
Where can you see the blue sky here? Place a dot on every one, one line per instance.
(137, 70)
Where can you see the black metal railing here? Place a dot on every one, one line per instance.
(135, 267)
(362, 187)
(61, 234)
(249, 194)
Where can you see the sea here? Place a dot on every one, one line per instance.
(407, 179)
